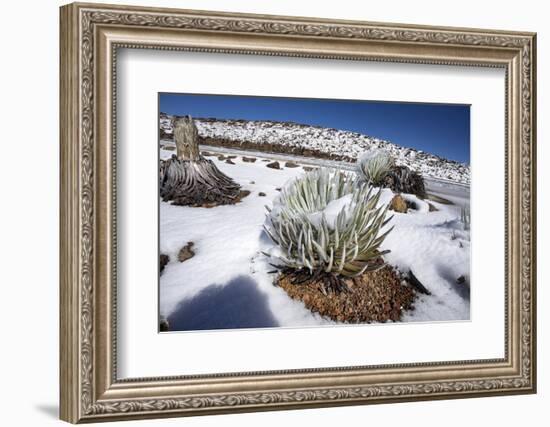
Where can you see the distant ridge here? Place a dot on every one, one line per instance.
(296, 138)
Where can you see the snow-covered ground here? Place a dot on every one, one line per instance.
(436, 248)
(325, 141)
(228, 284)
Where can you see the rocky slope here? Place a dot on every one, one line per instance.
(294, 138)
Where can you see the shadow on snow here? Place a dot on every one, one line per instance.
(446, 274)
(238, 304)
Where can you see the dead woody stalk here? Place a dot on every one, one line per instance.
(188, 178)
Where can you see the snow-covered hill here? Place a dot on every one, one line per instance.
(294, 138)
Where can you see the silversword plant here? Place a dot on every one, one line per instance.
(328, 222)
(373, 166)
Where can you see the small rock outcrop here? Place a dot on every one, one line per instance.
(398, 204)
(274, 165)
(163, 260)
(186, 252)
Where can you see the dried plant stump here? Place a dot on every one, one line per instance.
(189, 179)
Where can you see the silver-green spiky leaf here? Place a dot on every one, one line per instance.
(347, 245)
(373, 166)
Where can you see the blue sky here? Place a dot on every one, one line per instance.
(442, 129)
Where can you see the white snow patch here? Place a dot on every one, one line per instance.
(331, 211)
(436, 248)
(229, 241)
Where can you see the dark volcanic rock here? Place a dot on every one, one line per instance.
(243, 194)
(163, 260)
(261, 194)
(411, 205)
(186, 252)
(230, 162)
(164, 326)
(291, 165)
(249, 159)
(274, 165)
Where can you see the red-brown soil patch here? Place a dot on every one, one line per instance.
(376, 296)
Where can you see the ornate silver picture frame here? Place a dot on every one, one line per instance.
(91, 36)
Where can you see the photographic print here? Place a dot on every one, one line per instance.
(306, 199)
(287, 212)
